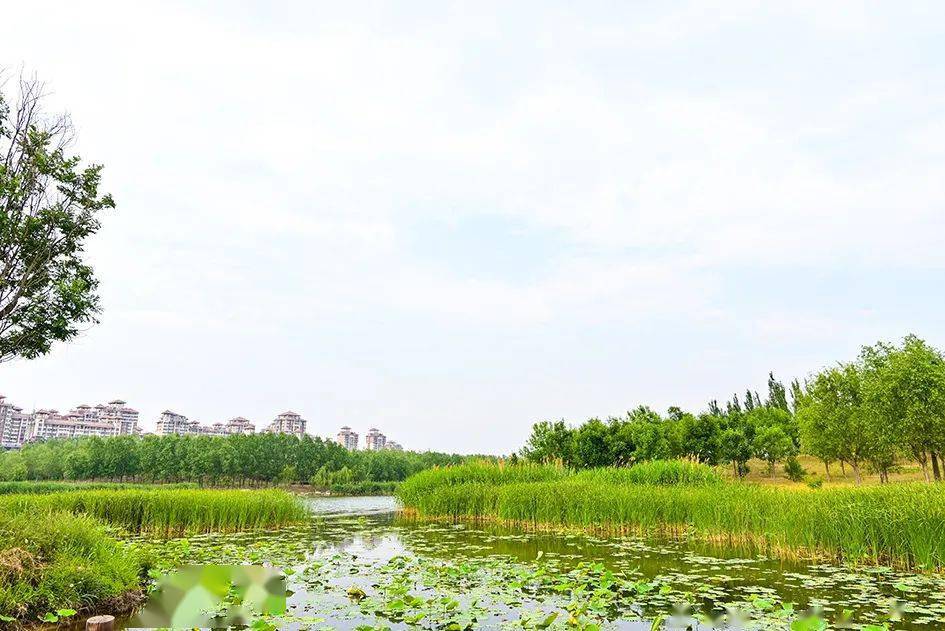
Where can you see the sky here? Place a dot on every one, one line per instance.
(452, 220)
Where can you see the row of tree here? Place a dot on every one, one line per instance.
(885, 406)
(232, 460)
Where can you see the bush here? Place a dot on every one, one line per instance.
(794, 470)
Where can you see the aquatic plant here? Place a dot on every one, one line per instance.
(902, 524)
(168, 511)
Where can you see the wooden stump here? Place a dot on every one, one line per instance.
(100, 623)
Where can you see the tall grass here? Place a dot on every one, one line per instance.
(57, 560)
(659, 472)
(897, 524)
(10, 488)
(168, 511)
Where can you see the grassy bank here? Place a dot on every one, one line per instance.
(59, 561)
(896, 524)
(168, 511)
(56, 553)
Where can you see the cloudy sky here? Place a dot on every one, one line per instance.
(451, 220)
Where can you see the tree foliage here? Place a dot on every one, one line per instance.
(232, 460)
(49, 207)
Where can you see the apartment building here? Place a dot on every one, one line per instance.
(347, 438)
(374, 440)
(170, 423)
(13, 425)
(237, 425)
(288, 423)
(111, 419)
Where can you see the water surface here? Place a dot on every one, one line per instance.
(357, 565)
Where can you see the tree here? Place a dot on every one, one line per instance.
(549, 441)
(777, 397)
(592, 445)
(735, 448)
(836, 421)
(770, 416)
(49, 207)
(904, 389)
(772, 444)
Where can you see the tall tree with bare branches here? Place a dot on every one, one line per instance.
(49, 207)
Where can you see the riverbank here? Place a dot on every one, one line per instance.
(59, 556)
(901, 525)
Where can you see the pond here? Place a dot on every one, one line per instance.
(359, 565)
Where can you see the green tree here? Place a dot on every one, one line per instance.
(777, 396)
(735, 448)
(771, 444)
(49, 207)
(549, 441)
(592, 445)
(904, 389)
(836, 420)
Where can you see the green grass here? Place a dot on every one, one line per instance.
(659, 472)
(11, 488)
(55, 552)
(900, 524)
(168, 511)
(53, 561)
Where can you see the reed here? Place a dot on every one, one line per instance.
(11, 488)
(168, 511)
(902, 525)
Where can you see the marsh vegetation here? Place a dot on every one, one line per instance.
(902, 525)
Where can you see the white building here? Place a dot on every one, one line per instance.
(239, 425)
(288, 423)
(347, 439)
(173, 423)
(13, 425)
(112, 419)
(374, 440)
(124, 417)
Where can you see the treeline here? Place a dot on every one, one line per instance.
(239, 460)
(884, 407)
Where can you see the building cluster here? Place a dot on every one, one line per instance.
(173, 423)
(374, 440)
(114, 418)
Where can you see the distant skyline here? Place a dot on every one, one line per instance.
(451, 220)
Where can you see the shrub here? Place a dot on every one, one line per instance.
(794, 470)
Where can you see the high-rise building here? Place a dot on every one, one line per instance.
(48, 424)
(237, 425)
(124, 417)
(173, 423)
(112, 419)
(374, 440)
(347, 439)
(393, 445)
(288, 423)
(13, 425)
